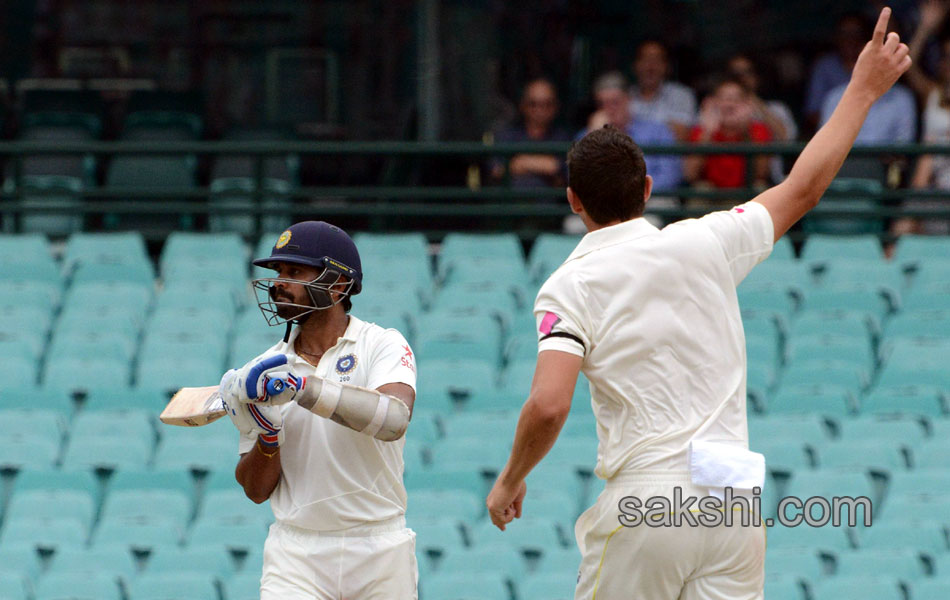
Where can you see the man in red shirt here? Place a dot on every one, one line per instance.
(727, 116)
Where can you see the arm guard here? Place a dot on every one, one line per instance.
(366, 411)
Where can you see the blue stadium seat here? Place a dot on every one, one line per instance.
(41, 271)
(549, 479)
(89, 273)
(560, 560)
(913, 249)
(918, 361)
(783, 455)
(437, 535)
(790, 276)
(80, 373)
(933, 454)
(876, 587)
(43, 295)
(829, 483)
(233, 506)
(50, 504)
(852, 274)
(111, 344)
(444, 382)
(411, 247)
(444, 479)
(242, 586)
(808, 539)
(931, 589)
(92, 451)
(928, 324)
(480, 245)
(145, 506)
(169, 561)
(469, 585)
(501, 559)
(901, 503)
(886, 399)
(862, 300)
(527, 534)
(54, 479)
(496, 427)
(20, 558)
(114, 560)
(462, 300)
(200, 455)
(824, 247)
(105, 248)
(797, 397)
(138, 536)
(783, 588)
(906, 431)
(767, 300)
(205, 294)
(448, 337)
(160, 586)
(548, 252)
(449, 502)
(160, 367)
(45, 533)
(57, 195)
(794, 562)
(122, 399)
(920, 479)
(879, 455)
(235, 536)
(839, 322)
(904, 534)
(90, 585)
(459, 453)
(832, 347)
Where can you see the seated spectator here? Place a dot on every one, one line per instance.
(613, 102)
(657, 99)
(539, 107)
(776, 115)
(932, 170)
(834, 69)
(727, 115)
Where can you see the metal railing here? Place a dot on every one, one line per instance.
(464, 200)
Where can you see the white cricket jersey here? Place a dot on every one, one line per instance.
(655, 316)
(332, 477)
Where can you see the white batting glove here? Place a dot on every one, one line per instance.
(266, 422)
(262, 381)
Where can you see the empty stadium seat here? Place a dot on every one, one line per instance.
(480, 245)
(470, 585)
(903, 399)
(55, 199)
(239, 195)
(824, 247)
(242, 586)
(45, 533)
(901, 430)
(783, 455)
(857, 586)
(170, 561)
(797, 397)
(913, 249)
(790, 276)
(803, 564)
(442, 392)
(409, 247)
(501, 559)
(874, 454)
(934, 453)
(783, 588)
(115, 560)
(931, 589)
(138, 536)
(150, 174)
(807, 539)
(916, 362)
(235, 536)
(469, 453)
(89, 585)
(160, 586)
(904, 533)
(457, 502)
(50, 504)
(437, 535)
(527, 534)
(548, 252)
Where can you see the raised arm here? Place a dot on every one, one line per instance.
(932, 14)
(881, 63)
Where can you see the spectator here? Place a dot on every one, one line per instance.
(727, 115)
(776, 115)
(834, 69)
(932, 171)
(613, 108)
(539, 107)
(657, 99)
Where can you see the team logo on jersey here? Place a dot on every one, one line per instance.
(346, 364)
(283, 239)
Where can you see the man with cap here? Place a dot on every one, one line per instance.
(322, 416)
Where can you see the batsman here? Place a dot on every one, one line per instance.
(322, 416)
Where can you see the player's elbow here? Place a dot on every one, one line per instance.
(256, 498)
(549, 409)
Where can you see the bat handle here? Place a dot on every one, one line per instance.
(275, 386)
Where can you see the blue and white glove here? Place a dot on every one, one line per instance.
(265, 422)
(262, 382)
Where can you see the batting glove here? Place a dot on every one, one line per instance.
(262, 382)
(265, 422)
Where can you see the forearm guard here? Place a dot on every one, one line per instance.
(366, 411)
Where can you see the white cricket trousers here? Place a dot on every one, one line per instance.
(375, 562)
(664, 563)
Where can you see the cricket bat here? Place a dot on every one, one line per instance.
(194, 407)
(197, 406)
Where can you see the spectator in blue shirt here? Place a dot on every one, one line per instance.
(613, 102)
(834, 69)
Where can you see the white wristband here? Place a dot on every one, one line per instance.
(330, 392)
(382, 409)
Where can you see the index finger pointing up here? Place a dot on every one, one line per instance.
(881, 28)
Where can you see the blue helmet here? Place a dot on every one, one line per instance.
(315, 244)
